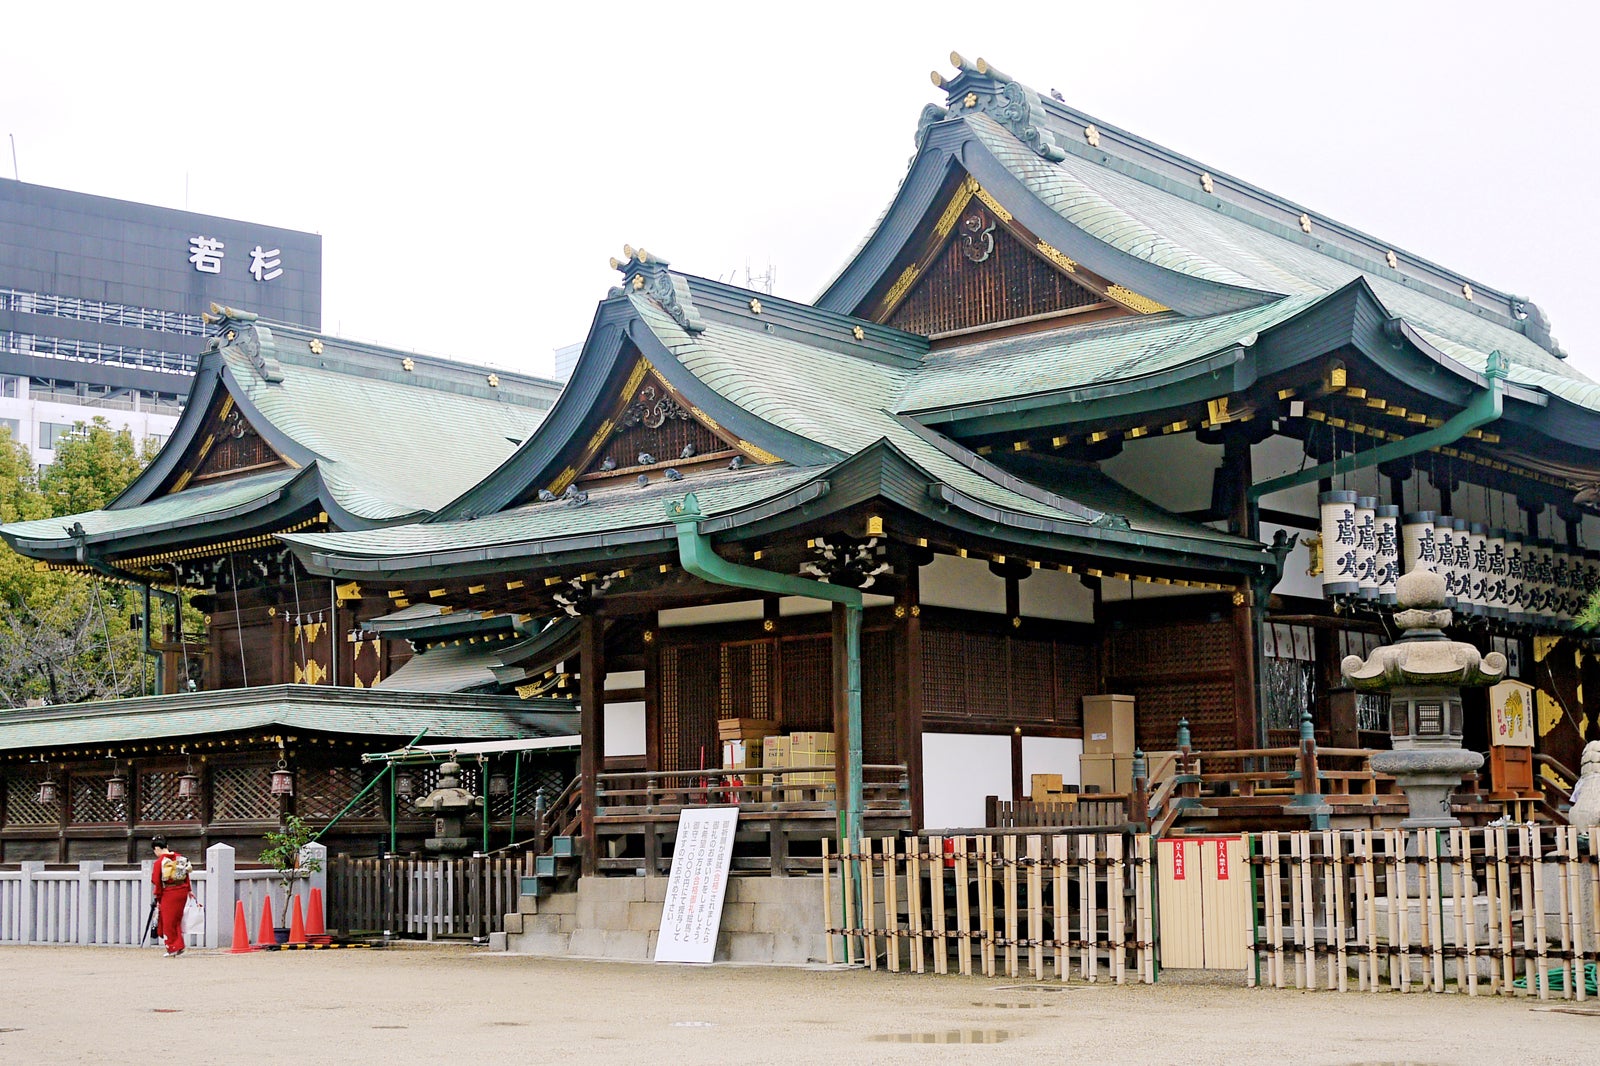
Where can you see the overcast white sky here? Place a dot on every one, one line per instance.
(471, 167)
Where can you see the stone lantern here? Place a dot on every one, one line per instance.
(1424, 672)
(451, 806)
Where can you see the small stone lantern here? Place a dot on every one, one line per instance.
(1423, 672)
(451, 806)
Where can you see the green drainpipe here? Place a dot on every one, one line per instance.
(700, 559)
(1482, 409)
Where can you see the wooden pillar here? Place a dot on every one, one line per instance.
(1244, 675)
(841, 706)
(908, 687)
(652, 697)
(1017, 789)
(591, 728)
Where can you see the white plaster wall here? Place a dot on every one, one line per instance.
(1114, 591)
(950, 581)
(958, 771)
(739, 611)
(1056, 595)
(624, 729)
(625, 679)
(792, 605)
(1173, 472)
(1274, 457)
(1051, 755)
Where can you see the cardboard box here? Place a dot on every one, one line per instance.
(740, 754)
(1108, 725)
(775, 756)
(1045, 787)
(1112, 773)
(745, 728)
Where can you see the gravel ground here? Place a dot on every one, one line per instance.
(418, 1003)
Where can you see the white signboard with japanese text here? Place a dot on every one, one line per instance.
(692, 913)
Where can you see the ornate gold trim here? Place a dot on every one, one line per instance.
(758, 454)
(1056, 256)
(908, 277)
(1133, 301)
(947, 221)
(994, 205)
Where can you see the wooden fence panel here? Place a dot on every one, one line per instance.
(1012, 905)
(1505, 910)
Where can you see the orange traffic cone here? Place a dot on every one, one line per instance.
(297, 924)
(316, 930)
(265, 935)
(241, 935)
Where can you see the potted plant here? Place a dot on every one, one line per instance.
(284, 853)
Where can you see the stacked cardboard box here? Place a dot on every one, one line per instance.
(814, 752)
(1108, 743)
(1047, 788)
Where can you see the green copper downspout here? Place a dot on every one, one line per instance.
(1482, 409)
(698, 558)
(1485, 407)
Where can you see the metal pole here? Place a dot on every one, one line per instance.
(483, 775)
(516, 785)
(851, 815)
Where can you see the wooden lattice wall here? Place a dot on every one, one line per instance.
(1179, 670)
(1009, 283)
(974, 675)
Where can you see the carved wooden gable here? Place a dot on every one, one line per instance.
(975, 265)
(650, 427)
(227, 446)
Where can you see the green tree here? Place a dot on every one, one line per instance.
(66, 637)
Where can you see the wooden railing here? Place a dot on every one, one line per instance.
(1509, 911)
(411, 896)
(1088, 813)
(791, 790)
(1049, 906)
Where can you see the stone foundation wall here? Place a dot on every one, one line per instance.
(764, 920)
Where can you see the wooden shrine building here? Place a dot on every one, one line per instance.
(284, 429)
(1081, 416)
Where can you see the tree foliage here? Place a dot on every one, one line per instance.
(66, 637)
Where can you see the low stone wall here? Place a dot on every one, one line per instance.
(764, 920)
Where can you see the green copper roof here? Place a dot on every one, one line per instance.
(363, 712)
(205, 503)
(388, 442)
(1124, 349)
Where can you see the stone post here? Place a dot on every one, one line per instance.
(220, 896)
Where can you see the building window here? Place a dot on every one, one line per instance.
(51, 432)
(13, 425)
(9, 386)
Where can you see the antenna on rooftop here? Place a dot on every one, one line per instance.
(763, 282)
(14, 173)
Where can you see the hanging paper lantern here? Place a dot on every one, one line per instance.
(47, 791)
(1419, 541)
(1560, 586)
(1541, 593)
(1478, 570)
(1340, 576)
(1444, 540)
(1387, 554)
(1516, 558)
(1367, 547)
(1494, 589)
(188, 785)
(1460, 530)
(116, 788)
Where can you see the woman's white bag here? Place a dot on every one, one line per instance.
(194, 917)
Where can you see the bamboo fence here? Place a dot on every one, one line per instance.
(1509, 910)
(1049, 906)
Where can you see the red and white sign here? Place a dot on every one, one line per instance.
(1222, 860)
(1177, 860)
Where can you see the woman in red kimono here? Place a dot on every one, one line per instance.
(170, 898)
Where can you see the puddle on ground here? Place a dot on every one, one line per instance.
(1585, 1011)
(509, 1023)
(996, 1004)
(10, 1030)
(1031, 988)
(947, 1036)
(390, 1027)
(166, 1010)
(693, 1025)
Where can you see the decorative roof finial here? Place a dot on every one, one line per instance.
(979, 88)
(648, 275)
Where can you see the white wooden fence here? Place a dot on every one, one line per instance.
(91, 904)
